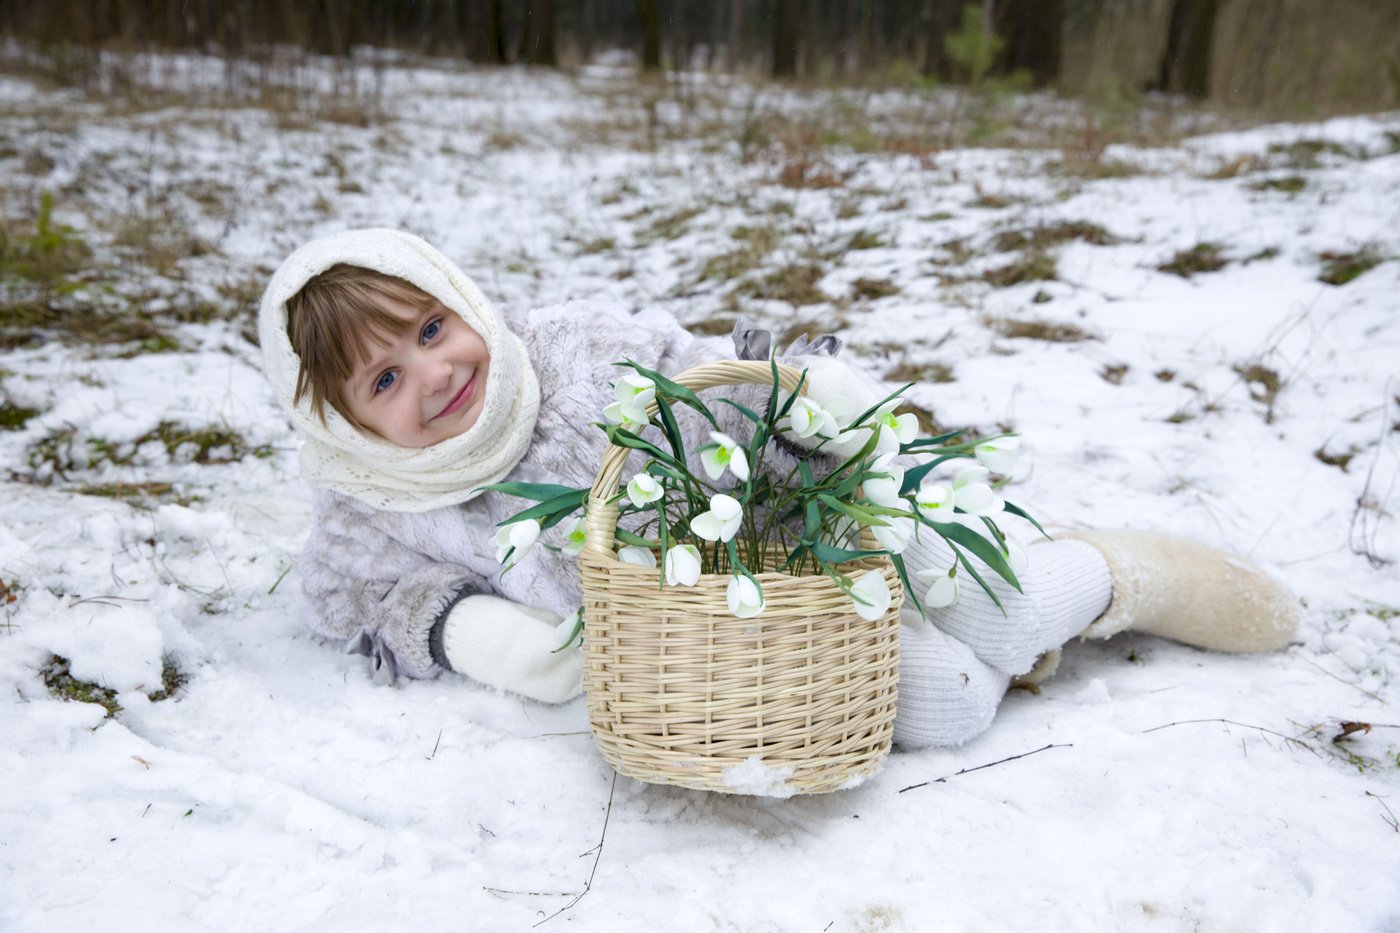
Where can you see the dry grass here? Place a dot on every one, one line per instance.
(1340, 268)
(1050, 331)
(1199, 259)
(1045, 236)
(1034, 266)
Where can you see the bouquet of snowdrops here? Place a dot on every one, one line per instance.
(735, 517)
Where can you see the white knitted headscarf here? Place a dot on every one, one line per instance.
(338, 456)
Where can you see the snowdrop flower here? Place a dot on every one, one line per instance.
(634, 393)
(642, 557)
(1016, 557)
(999, 454)
(972, 494)
(894, 537)
(643, 488)
(725, 453)
(943, 591)
(744, 597)
(934, 502)
(884, 490)
(515, 540)
(894, 429)
(722, 521)
(871, 595)
(682, 565)
(807, 418)
(574, 536)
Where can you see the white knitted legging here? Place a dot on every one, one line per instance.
(955, 667)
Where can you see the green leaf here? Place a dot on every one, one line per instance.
(903, 571)
(627, 537)
(797, 554)
(876, 407)
(856, 512)
(672, 430)
(812, 522)
(539, 492)
(1017, 510)
(914, 476)
(835, 555)
(866, 450)
(747, 412)
(921, 442)
(972, 571)
(984, 549)
(550, 512)
(792, 396)
(673, 390)
(620, 437)
(573, 633)
(656, 468)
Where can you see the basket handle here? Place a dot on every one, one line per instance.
(601, 521)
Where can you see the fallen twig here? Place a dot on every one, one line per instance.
(1389, 819)
(598, 849)
(1300, 656)
(1288, 739)
(987, 765)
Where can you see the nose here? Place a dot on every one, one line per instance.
(436, 376)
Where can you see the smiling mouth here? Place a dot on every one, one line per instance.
(460, 399)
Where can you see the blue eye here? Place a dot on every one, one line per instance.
(385, 381)
(431, 330)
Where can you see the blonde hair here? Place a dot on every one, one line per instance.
(329, 323)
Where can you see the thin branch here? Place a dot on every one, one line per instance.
(1288, 739)
(598, 850)
(988, 765)
(1375, 696)
(1389, 820)
(435, 746)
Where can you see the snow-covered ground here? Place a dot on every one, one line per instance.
(151, 512)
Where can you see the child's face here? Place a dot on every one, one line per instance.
(424, 385)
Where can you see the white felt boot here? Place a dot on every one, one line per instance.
(1189, 592)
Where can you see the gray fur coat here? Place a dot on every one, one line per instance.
(381, 580)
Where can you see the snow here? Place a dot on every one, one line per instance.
(1147, 786)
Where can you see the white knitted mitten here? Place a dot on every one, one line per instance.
(504, 644)
(846, 392)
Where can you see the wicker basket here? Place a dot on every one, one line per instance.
(799, 699)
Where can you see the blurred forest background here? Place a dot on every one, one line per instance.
(1305, 57)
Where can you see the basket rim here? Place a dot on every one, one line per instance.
(881, 563)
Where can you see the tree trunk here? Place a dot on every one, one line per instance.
(786, 25)
(1031, 30)
(485, 34)
(1186, 62)
(650, 14)
(944, 17)
(537, 46)
(736, 32)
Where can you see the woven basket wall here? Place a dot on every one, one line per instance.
(798, 699)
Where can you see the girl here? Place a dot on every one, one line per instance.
(412, 393)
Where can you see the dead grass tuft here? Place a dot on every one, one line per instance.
(920, 372)
(1045, 236)
(1341, 268)
(1201, 258)
(1050, 331)
(873, 289)
(1034, 266)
